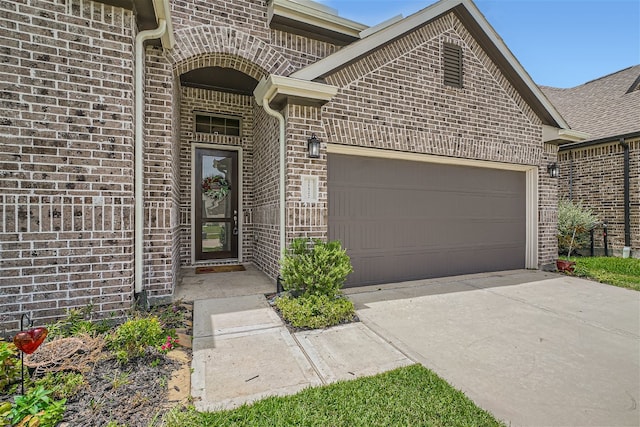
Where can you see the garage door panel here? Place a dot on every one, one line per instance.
(385, 268)
(443, 233)
(380, 205)
(402, 220)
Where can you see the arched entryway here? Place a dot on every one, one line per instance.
(228, 149)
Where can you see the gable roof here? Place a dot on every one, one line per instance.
(605, 107)
(475, 23)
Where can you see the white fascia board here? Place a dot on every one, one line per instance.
(380, 26)
(373, 41)
(163, 11)
(554, 135)
(272, 86)
(316, 15)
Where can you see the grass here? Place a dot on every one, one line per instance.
(409, 396)
(622, 272)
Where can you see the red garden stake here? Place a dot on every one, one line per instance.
(28, 341)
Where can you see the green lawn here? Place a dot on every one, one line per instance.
(622, 272)
(410, 396)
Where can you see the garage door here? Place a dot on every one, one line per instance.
(403, 220)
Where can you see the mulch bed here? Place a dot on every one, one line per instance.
(133, 394)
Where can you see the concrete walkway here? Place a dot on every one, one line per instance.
(242, 352)
(533, 348)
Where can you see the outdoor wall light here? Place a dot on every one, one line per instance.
(553, 169)
(313, 147)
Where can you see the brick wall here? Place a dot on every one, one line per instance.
(66, 158)
(547, 209)
(245, 21)
(377, 104)
(299, 50)
(161, 183)
(595, 176)
(305, 219)
(266, 202)
(248, 15)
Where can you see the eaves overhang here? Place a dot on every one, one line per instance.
(313, 20)
(145, 12)
(592, 142)
(280, 90)
(558, 136)
(478, 27)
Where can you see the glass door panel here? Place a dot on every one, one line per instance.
(216, 210)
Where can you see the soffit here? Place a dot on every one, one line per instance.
(219, 79)
(145, 14)
(313, 20)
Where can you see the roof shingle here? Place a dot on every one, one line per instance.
(603, 107)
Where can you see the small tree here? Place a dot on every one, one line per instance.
(574, 221)
(313, 267)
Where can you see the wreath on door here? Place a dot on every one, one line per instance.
(216, 186)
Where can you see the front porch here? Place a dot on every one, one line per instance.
(195, 287)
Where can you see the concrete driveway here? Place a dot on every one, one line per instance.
(534, 348)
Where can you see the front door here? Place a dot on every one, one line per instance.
(216, 204)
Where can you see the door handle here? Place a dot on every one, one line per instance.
(235, 222)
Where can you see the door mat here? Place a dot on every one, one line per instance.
(219, 269)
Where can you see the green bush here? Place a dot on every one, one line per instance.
(37, 408)
(313, 267)
(574, 222)
(315, 311)
(131, 339)
(78, 321)
(9, 368)
(63, 385)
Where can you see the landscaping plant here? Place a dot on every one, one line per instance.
(9, 368)
(574, 222)
(78, 321)
(63, 385)
(314, 273)
(36, 408)
(315, 311)
(131, 339)
(313, 267)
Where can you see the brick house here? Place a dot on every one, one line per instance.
(141, 137)
(603, 171)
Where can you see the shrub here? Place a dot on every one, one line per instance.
(313, 267)
(9, 368)
(37, 408)
(574, 221)
(315, 311)
(63, 385)
(78, 321)
(131, 339)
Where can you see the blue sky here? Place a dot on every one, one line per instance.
(561, 43)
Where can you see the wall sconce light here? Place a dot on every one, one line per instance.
(313, 147)
(553, 169)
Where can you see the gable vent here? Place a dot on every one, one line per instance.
(452, 64)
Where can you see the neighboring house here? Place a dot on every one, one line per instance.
(593, 171)
(122, 163)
